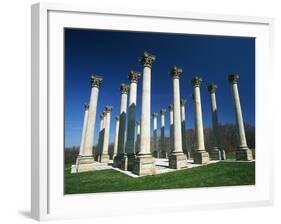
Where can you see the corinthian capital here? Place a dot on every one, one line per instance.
(96, 81)
(175, 72)
(147, 59)
(124, 88)
(86, 106)
(108, 109)
(155, 114)
(171, 107)
(196, 81)
(162, 111)
(183, 102)
(134, 76)
(212, 88)
(233, 78)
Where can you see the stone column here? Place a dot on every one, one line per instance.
(163, 153)
(155, 138)
(116, 136)
(216, 153)
(86, 107)
(177, 158)
(183, 130)
(171, 113)
(145, 163)
(121, 157)
(200, 155)
(242, 152)
(104, 158)
(86, 160)
(130, 143)
(100, 141)
(138, 138)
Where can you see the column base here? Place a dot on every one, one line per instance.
(121, 161)
(244, 154)
(73, 168)
(144, 165)
(85, 163)
(188, 155)
(155, 154)
(201, 157)
(104, 158)
(177, 161)
(163, 155)
(130, 161)
(215, 154)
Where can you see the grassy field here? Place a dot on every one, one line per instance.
(218, 174)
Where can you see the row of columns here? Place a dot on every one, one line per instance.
(126, 146)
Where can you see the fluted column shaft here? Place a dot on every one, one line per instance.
(145, 112)
(130, 143)
(116, 136)
(163, 151)
(138, 138)
(239, 116)
(177, 116)
(212, 89)
(89, 135)
(184, 142)
(198, 120)
(155, 132)
(122, 125)
(84, 129)
(171, 112)
(106, 130)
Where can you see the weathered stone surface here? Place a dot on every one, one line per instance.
(215, 154)
(85, 163)
(244, 154)
(104, 158)
(201, 157)
(177, 161)
(144, 165)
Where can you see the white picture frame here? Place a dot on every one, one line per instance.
(48, 201)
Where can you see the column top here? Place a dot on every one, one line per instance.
(175, 72)
(233, 78)
(96, 81)
(86, 106)
(124, 88)
(183, 102)
(108, 109)
(147, 59)
(196, 81)
(171, 107)
(212, 88)
(102, 114)
(134, 76)
(117, 118)
(138, 122)
(154, 114)
(162, 111)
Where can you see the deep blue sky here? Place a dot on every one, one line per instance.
(112, 54)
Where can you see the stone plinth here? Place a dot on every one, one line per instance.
(144, 165)
(177, 161)
(215, 154)
(244, 154)
(85, 163)
(201, 157)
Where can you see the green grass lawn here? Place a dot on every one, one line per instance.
(217, 174)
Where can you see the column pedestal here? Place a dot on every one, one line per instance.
(244, 154)
(130, 161)
(177, 161)
(215, 154)
(85, 163)
(201, 157)
(104, 158)
(144, 165)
